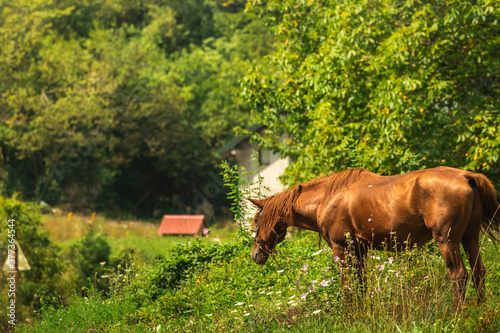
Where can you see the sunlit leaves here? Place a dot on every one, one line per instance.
(395, 76)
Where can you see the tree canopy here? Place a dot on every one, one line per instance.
(120, 102)
(383, 78)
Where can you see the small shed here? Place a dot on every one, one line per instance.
(182, 225)
(271, 165)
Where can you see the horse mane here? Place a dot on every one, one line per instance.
(279, 206)
(341, 181)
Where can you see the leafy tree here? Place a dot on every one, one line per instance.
(119, 103)
(395, 76)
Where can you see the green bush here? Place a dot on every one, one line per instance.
(187, 260)
(42, 255)
(88, 257)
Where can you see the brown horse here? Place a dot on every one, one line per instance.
(446, 204)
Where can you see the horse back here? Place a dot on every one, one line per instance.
(413, 206)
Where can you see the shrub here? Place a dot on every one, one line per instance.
(41, 254)
(185, 261)
(88, 256)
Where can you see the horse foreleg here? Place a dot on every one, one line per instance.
(360, 249)
(345, 263)
(339, 257)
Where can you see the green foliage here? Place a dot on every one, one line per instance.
(232, 179)
(412, 76)
(241, 187)
(186, 260)
(39, 251)
(90, 254)
(104, 101)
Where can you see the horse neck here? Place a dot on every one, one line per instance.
(306, 205)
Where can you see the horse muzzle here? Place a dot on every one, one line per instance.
(259, 256)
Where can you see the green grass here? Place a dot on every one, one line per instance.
(155, 245)
(68, 226)
(63, 229)
(149, 246)
(84, 315)
(408, 291)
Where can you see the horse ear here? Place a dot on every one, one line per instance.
(258, 203)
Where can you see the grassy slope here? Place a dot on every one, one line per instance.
(410, 292)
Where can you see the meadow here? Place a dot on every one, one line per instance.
(204, 286)
(65, 228)
(211, 284)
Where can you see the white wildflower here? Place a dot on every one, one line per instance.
(316, 253)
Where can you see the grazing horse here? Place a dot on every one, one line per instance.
(445, 204)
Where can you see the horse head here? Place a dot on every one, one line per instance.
(267, 233)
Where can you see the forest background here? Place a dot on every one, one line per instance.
(120, 105)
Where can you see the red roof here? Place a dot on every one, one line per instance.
(181, 224)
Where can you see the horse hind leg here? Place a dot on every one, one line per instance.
(450, 251)
(360, 262)
(450, 218)
(478, 270)
(470, 242)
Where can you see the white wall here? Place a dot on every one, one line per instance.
(270, 172)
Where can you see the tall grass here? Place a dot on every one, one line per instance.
(407, 291)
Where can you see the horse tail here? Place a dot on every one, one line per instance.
(491, 208)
